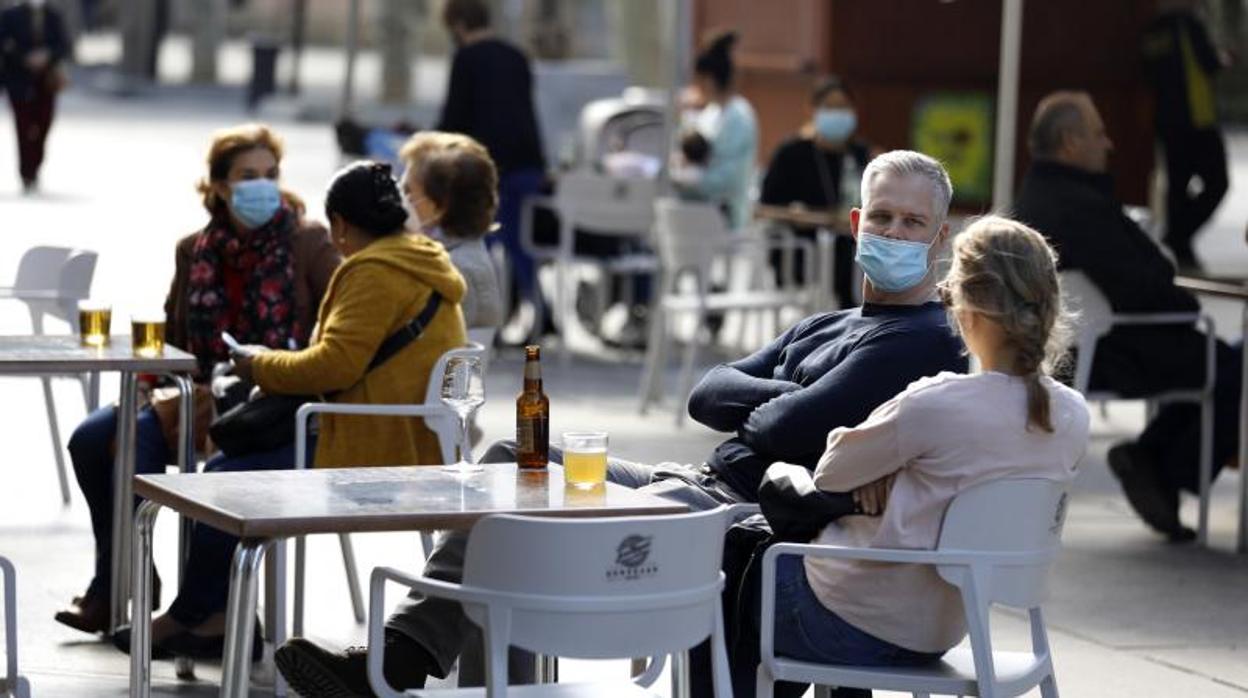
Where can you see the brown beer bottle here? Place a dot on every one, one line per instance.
(532, 415)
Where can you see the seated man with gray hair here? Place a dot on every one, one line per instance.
(829, 370)
(1068, 196)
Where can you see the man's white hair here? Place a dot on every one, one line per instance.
(908, 162)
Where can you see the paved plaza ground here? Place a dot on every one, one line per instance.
(1129, 617)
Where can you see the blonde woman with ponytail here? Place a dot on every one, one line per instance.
(917, 451)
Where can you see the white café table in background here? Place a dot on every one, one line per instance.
(28, 355)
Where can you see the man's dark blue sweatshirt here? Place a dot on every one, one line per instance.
(827, 371)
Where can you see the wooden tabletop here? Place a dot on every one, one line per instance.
(832, 219)
(34, 355)
(1224, 288)
(283, 503)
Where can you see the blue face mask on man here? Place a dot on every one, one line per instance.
(892, 265)
(835, 124)
(255, 201)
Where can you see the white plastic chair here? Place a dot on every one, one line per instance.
(1095, 319)
(13, 683)
(587, 588)
(689, 238)
(601, 204)
(996, 545)
(439, 418)
(51, 281)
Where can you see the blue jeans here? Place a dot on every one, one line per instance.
(91, 451)
(807, 630)
(206, 585)
(513, 189)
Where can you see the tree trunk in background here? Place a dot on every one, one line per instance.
(138, 21)
(207, 35)
(395, 34)
(636, 43)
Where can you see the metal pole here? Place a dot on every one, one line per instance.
(1007, 103)
(679, 17)
(346, 108)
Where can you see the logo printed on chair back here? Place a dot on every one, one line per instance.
(630, 559)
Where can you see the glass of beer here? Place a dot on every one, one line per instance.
(585, 458)
(147, 335)
(95, 319)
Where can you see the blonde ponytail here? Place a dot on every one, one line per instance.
(1007, 272)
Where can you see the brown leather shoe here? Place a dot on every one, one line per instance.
(90, 615)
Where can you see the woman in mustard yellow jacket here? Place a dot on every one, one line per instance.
(388, 279)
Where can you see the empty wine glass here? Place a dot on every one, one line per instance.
(463, 390)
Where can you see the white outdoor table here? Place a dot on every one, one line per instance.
(28, 355)
(261, 507)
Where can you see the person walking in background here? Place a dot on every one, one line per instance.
(821, 168)
(33, 48)
(490, 98)
(1068, 196)
(727, 121)
(1182, 63)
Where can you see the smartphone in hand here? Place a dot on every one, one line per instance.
(235, 347)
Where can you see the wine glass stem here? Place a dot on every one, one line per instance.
(464, 447)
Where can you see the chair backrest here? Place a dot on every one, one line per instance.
(688, 235)
(40, 268)
(605, 205)
(1093, 318)
(667, 568)
(447, 428)
(1011, 515)
(74, 284)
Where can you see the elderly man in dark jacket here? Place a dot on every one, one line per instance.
(33, 44)
(1068, 196)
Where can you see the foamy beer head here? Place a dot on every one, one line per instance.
(95, 320)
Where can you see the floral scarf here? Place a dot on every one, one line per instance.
(267, 315)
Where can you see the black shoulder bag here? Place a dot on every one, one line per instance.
(267, 422)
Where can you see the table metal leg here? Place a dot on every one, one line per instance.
(241, 617)
(1241, 546)
(275, 606)
(680, 675)
(185, 666)
(123, 496)
(141, 628)
(547, 669)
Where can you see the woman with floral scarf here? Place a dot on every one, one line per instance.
(257, 270)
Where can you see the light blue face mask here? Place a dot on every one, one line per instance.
(835, 125)
(255, 201)
(892, 265)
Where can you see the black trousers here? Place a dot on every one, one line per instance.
(33, 119)
(1137, 361)
(1192, 153)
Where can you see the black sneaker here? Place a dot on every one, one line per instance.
(1156, 504)
(315, 671)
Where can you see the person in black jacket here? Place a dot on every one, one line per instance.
(1182, 62)
(1068, 196)
(490, 98)
(33, 46)
(811, 168)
